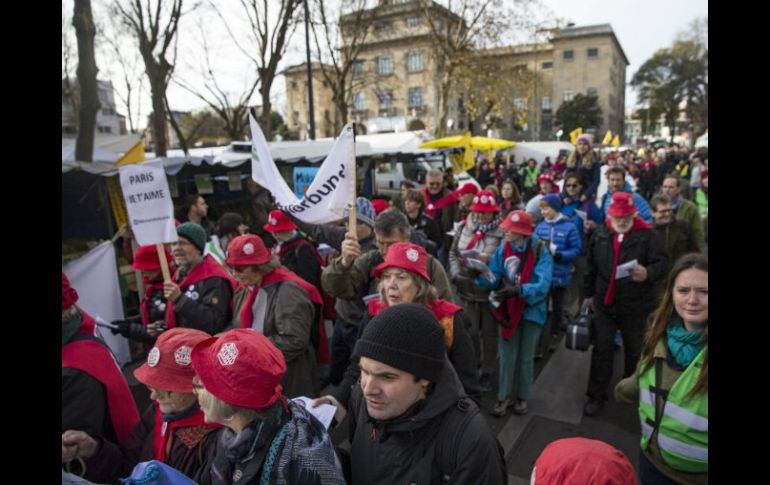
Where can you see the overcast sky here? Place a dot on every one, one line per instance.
(641, 26)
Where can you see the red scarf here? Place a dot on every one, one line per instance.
(639, 224)
(88, 324)
(208, 268)
(161, 433)
(94, 358)
(329, 301)
(515, 305)
(149, 288)
(443, 310)
(647, 165)
(283, 274)
(432, 207)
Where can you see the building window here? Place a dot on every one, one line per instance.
(326, 84)
(545, 103)
(546, 125)
(593, 52)
(381, 27)
(295, 117)
(414, 62)
(520, 104)
(326, 115)
(567, 95)
(592, 92)
(547, 65)
(358, 68)
(415, 97)
(104, 129)
(520, 67)
(358, 101)
(294, 85)
(386, 99)
(413, 21)
(385, 65)
(569, 55)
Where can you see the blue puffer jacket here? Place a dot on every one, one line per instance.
(589, 207)
(534, 292)
(641, 205)
(564, 235)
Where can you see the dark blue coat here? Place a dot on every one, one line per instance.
(564, 235)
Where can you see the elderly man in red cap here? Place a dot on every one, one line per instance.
(266, 439)
(296, 253)
(172, 429)
(95, 396)
(282, 306)
(625, 258)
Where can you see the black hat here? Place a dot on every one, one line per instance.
(407, 337)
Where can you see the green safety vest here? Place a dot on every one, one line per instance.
(531, 176)
(684, 422)
(683, 171)
(703, 203)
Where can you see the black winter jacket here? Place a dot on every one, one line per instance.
(631, 297)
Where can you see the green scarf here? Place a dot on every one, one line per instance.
(684, 345)
(70, 328)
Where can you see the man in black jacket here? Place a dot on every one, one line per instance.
(625, 259)
(677, 236)
(410, 421)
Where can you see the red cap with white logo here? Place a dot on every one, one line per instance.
(168, 365)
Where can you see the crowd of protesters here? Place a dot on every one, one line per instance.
(432, 296)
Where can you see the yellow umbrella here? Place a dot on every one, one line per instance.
(477, 143)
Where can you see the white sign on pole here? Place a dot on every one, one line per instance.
(332, 187)
(148, 201)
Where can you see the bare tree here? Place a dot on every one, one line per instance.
(155, 29)
(89, 93)
(330, 26)
(270, 36)
(456, 31)
(67, 59)
(231, 112)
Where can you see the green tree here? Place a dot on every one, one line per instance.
(580, 112)
(676, 78)
(280, 128)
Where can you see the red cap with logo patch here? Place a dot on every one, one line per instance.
(278, 222)
(484, 201)
(246, 250)
(168, 365)
(519, 222)
(622, 205)
(408, 256)
(241, 367)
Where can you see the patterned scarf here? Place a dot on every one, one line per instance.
(481, 231)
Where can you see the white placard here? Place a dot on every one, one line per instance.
(148, 202)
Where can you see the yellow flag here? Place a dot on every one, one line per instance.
(607, 138)
(616, 141)
(135, 154)
(464, 161)
(574, 134)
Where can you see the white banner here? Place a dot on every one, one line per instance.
(331, 189)
(148, 201)
(95, 277)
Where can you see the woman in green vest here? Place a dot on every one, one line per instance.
(670, 384)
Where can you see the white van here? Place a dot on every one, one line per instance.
(540, 149)
(388, 175)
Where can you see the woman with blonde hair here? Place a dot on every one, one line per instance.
(584, 162)
(671, 380)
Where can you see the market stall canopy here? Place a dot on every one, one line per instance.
(477, 143)
(107, 148)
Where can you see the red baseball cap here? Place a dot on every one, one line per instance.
(246, 250)
(68, 294)
(582, 460)
(484, 201)
(278, 222)
(519, 222)
(241, 367)
(545, 176)
(469, 188)
(622, 205)
(168, 365)
(380, 205)
(408, 256)
(146, 258)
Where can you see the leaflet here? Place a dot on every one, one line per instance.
(624, 270)
(323, 413)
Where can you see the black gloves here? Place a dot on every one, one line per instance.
(132, 330)
(507, 291)
(557, 256)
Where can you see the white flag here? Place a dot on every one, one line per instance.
(95, 277)
(331, 189)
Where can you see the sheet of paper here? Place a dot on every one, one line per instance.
(624, 270)
(323, 413)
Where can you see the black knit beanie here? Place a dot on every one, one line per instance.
(406, 337)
